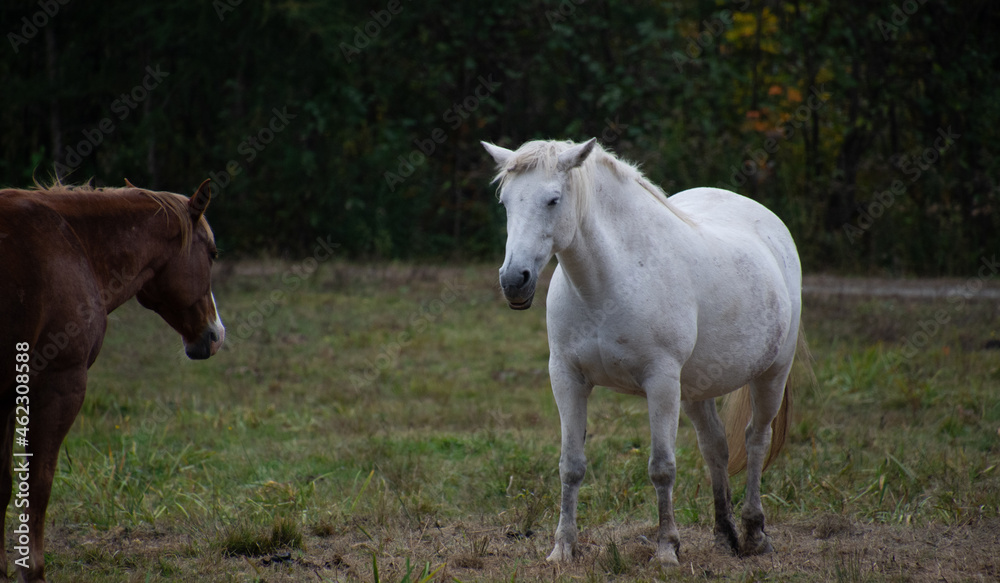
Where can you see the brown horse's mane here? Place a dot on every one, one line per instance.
(168, 202)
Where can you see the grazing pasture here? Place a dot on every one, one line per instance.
(383, 423)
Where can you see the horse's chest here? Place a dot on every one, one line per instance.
(613, 361)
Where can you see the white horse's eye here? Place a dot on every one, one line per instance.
(554, 201)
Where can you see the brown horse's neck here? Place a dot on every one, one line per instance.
(126, 236)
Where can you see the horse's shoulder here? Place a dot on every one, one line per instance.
(35, 231)
(48, 276)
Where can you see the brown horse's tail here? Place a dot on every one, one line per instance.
(736, 412)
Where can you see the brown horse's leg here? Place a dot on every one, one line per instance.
(50, 420)
(6, 479)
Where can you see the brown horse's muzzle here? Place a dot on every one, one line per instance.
(206, 345)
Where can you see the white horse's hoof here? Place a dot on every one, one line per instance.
(562, 553)
(758, 545)
(667, 556)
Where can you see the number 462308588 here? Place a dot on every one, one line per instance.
(21, 368)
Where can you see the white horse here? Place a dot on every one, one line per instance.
(680, 299)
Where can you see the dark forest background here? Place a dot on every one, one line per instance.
(869, 127)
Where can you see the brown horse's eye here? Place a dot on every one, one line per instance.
(214, 254)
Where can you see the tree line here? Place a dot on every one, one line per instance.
(868, 127)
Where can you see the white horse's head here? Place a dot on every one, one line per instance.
(544, 199)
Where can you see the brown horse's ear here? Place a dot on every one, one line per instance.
(199, 201)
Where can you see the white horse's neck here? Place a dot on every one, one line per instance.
(624, 232)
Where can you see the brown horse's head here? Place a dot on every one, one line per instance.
(181, 290)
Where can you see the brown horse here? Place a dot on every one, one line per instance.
(69, 256)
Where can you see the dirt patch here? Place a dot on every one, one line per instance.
(828, 548)
(972, 288)
(831, 525)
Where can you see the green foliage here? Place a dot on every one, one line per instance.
(349, 122)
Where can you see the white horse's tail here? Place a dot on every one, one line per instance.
(736, 411)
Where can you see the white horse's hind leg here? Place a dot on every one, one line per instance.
(571, 399)
(715, 450)
(664, 412)
(766, 393)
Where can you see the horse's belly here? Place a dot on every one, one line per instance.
(701, 377)
(732, 360)
(723, 373)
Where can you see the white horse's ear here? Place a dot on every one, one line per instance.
(575, 156)
(500, 155)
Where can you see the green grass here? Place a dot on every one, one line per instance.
(244, 538)
(399, 417)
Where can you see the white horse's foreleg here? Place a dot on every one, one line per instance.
(715, 450)
(664, 412)
(571, 399)
(766, 395)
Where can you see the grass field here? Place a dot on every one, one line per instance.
(394, 423)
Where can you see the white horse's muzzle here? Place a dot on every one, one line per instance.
(518, 287)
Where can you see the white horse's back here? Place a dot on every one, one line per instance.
(714, 208)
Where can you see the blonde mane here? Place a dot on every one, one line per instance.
(544, 155)
(169, 203)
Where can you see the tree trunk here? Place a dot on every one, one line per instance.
(55, 121)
